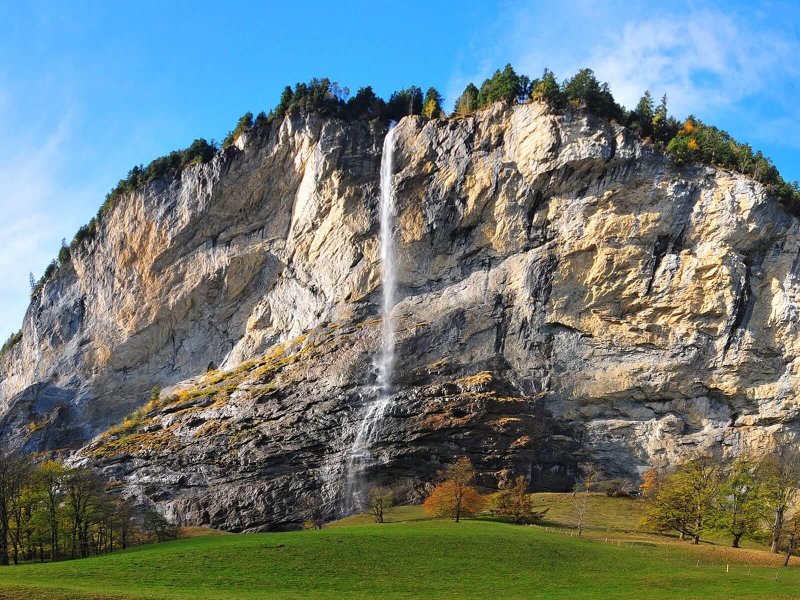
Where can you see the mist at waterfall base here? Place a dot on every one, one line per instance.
(359, 456)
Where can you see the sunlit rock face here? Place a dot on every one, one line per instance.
(566, 295)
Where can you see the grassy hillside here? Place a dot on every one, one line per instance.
(415, 557)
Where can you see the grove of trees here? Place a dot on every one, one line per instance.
(754, 497)
(49, 511)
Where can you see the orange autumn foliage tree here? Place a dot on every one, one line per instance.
(455, 497)
(650, 480)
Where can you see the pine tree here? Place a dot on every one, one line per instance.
(503, 86)
(643, 115)
(432, 105)
(546, 89)
(467, 102)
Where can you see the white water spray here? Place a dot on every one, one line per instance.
(359, 455)
(35, 333)
(386, 360)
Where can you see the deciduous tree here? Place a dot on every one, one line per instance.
(467, 102)
(779, 477)
(432, 105)
(685, 499)
(513, 502)
(380, 498)
(14, 471)
(454, 497)
(737, 502)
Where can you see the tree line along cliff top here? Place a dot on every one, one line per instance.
(684, 141)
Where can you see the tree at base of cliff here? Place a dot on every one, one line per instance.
(454, 497)
(380, 498)
(314, 512)
(685, 499)
(737, 506)
(778, 475)
(158, 527)
(514, 503)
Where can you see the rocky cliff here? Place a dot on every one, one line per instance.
(566, 295)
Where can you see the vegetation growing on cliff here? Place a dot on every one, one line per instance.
(685, 141)
(13, 340)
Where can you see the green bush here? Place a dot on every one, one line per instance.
(504, 86)
(585, 91)
(245, 123)
(13, 340)
(467, 102)
(404, 102)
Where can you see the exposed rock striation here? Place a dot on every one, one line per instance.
(567, 295)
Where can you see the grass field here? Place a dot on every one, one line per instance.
(417, 557)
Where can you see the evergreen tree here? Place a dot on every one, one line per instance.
(664, 126)
(467, 102)
(642, 117)
(285, 102)
(505, 86)
(365, 105)
(404, 103)
(432, 105)
(585, 91)
(546, 89)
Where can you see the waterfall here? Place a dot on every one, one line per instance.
(386, 359)
(359, 455)
(35, 334)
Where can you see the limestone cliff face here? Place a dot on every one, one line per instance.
(567, 295)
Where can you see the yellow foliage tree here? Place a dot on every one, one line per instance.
(688, 128)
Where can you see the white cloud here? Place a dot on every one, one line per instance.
(704, 59)
(36, 206)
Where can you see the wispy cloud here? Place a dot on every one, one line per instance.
(36, 206)
(703, 60)
(709, 61)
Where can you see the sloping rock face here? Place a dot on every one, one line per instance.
(567, 295)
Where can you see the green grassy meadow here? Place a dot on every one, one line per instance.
(417, 557)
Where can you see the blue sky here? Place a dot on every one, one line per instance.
(88, 89)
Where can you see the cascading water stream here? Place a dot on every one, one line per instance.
(35, 333)
(359, 455)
